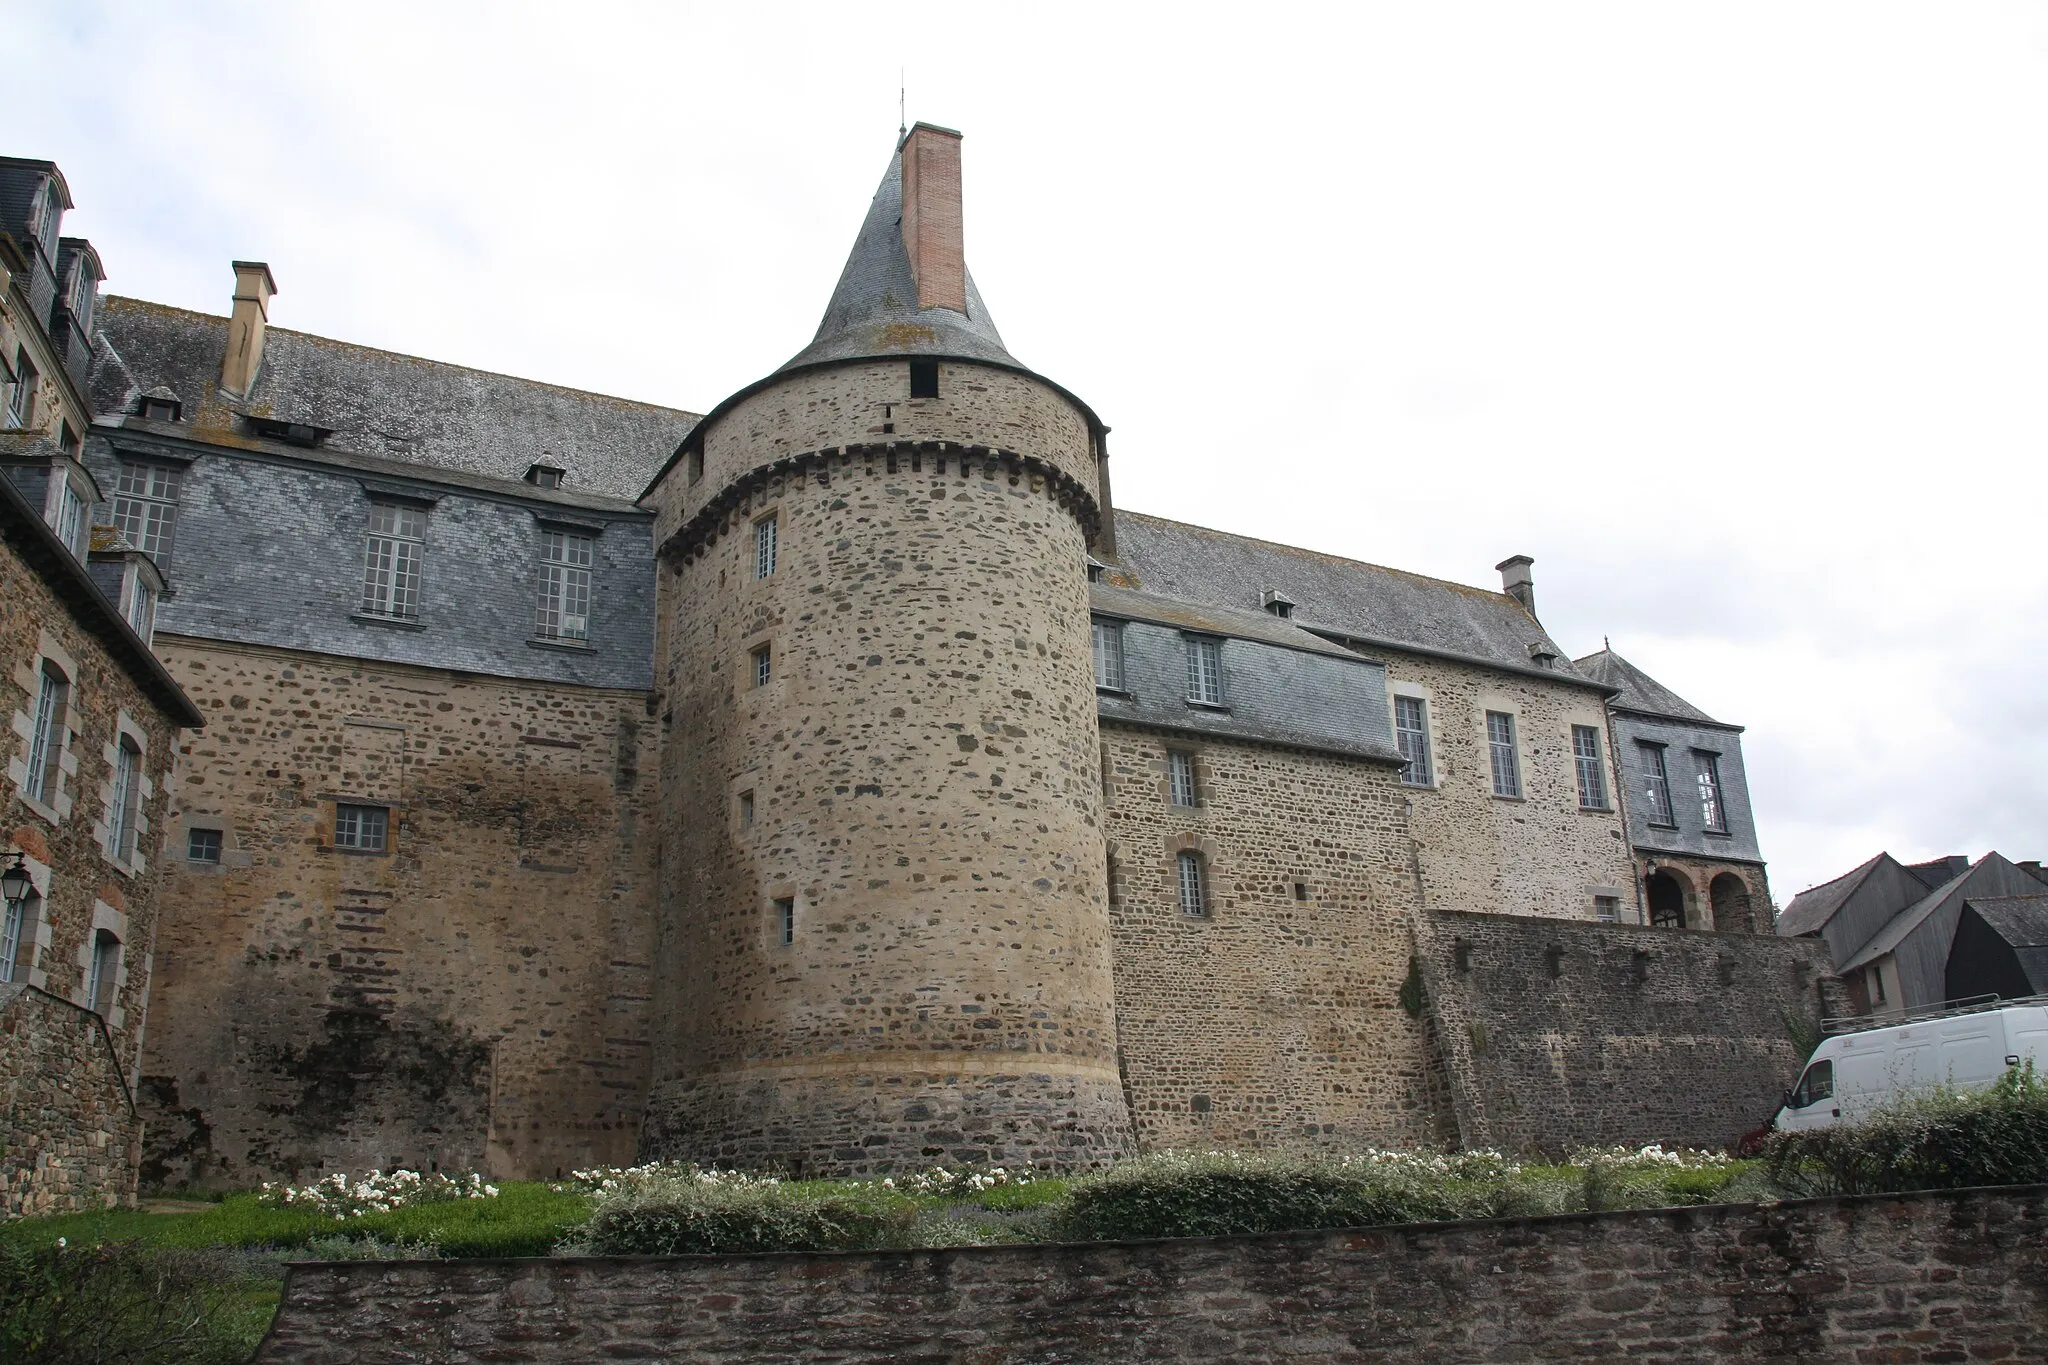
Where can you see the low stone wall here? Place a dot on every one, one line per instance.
(1896, 1279)
(1556, 1034)
(69, 1135)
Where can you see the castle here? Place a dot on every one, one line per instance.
(839, 781)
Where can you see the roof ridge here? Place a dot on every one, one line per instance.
(408, 355)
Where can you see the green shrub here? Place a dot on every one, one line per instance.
(684, 1215)
(1180, 1194)
(120, 1302)
(1949, 1139)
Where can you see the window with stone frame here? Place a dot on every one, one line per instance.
(1205, 670)
(1592, 772)
(764, 546)
(146, 505)
(764, 666)
(1411, 733)
(47, 729)
(563, 612)
(1193, 879)
(103, 972)
(362, 829)
(1108, 639)
(125, 804)
(1180, 777)
(203, 845)
(1713, 810)
(21, 399)
(1657, 785)
(1500, 747)
(19, 929)
(785, 919)
(392, 550)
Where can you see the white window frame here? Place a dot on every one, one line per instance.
(765, 533)
(1592, 772)
(785, 919)
(352, 822)
(1657, 770)
(764, 664)
(140, 608)
(394, 551)
(21, 400)
(1205, 670)
(1107, 637)
(68, 512)
(48, 726)
(124, 803)
(1181, 789)
(1413, 741)
(146, 505)
(567, 559)
(1503, 755)
(1713, 796)
(220, 845)
(1191, 878)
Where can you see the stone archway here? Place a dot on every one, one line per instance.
(1729, 895)
(1665, 891)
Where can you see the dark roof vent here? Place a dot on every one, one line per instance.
(291, 433)
(1277, 602)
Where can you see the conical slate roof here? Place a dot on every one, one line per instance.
(874, 310)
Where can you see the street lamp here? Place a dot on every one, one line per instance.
(15, 883)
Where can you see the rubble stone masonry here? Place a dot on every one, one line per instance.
(885, 936)
(1274, 1020)
(1898, 1279)
(476, 997)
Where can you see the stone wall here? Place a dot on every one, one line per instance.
(1540, 854)
(476, 998)
(1898, 1279)
(69, 1133)
(1274, 1020)
(1555, 1035)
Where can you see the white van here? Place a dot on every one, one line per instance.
(1852, 1074)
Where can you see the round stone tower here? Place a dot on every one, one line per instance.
(885, 934)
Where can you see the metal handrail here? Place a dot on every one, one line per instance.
(1835, 1025)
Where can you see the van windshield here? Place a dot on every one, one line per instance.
(1816, 1085)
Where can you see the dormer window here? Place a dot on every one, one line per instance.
(1542, 656)
(53, 214)
(543, 475)
(1096, 569)
(1278, 603)
(291, 433)
(159, 408)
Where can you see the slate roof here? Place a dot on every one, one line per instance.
(381, 403)
(1366, 602)
(2021, 921)
(874, 309)
(1906, 921)
(1811, 909)
(1638, 691)
(1259, 625)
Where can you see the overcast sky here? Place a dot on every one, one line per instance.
(1735, 316)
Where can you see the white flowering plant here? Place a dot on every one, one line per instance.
(616, 1179)
(961, 1184)
(342, 1196)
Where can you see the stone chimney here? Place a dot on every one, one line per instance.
(1517, 582)
(253, 291)
(932, 232)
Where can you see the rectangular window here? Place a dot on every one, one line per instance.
(785, 918)
(1500, 744)
(1607, 908)
(19, 921)
(71, 518)
(764, 547)
(1205, 670)
(1411, 732)
(1194, 899)
(21, 401)
(564, 610)
(362, 828)
(202, 846)
(1713, 811)
(141, 611)
(391, 561)
(102, 975)
(1592, 776)
(1180, 777)
(1876, 984)
(127, 800)
(1658, 788)
(764, 666)
(924, 379)
(746, 810)
(46, 738)
(146, 506)
(1109, 655)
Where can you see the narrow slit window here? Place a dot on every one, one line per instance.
(146, 506)
(366, 829)
(1194, 892)
(1411, 732)
(1586, 757)
(1205, 670)
(1109, 655)
(103, 975)
(1500, 745)
(785, 919)
(764, 547)
(565, 567)
(764, 666)
(1180, 777)
(924, 379)
(746, 810)
(392, 551)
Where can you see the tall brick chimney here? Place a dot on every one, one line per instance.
(254, 289)
(1517, 582)
(931, 217)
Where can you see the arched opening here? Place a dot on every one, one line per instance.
(1730, 897)
(1667, 900)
